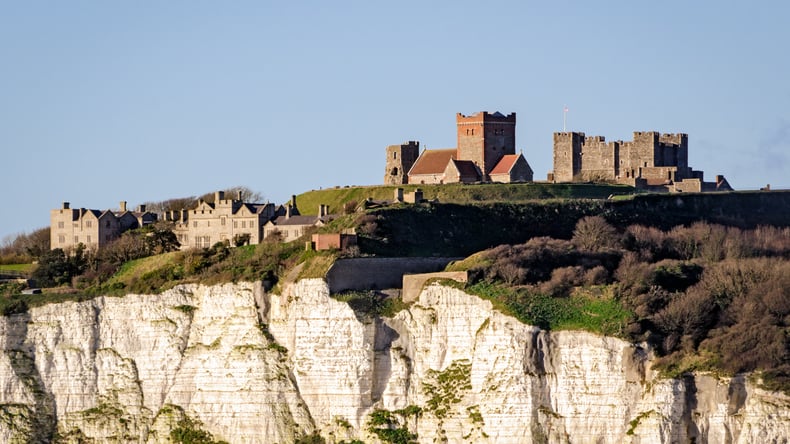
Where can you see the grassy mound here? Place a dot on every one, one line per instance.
(337, 198)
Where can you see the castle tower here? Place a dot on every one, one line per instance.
(484, 138)
(400, 159)
(567, 155)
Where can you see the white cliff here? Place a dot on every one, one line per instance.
(128, 369)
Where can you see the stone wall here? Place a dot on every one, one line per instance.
(367, 273)
(400, 159)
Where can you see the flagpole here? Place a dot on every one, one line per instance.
(564, 113)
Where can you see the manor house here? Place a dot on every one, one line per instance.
(238, 222)
(651, 161)
(70, 227)
(485, 152)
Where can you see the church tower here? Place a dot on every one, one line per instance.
(400, 159)
(484, 138)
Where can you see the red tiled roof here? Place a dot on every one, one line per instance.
(432, 161)
(505, 164)
(466, 168)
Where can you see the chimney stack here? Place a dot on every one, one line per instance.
(218, 196)
(142, 208)
(123, 206)
(66, 205)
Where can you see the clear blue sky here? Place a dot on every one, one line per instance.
(149, 100)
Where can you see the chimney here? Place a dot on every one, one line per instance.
(123, 206)
(65, 205)
(184, 215)
(218, 196)
(288, 211)
(293, 200)
(241, 195)
(142, 208)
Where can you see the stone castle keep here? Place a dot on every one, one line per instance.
(650, 161)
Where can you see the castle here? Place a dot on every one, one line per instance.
(485, 152)
(652, 161)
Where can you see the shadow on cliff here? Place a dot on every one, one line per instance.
(21, 356)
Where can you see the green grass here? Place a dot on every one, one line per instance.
(458, 193)
(593, 311)
(22, 268)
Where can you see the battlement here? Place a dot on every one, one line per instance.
(486, 117)
(568, 135)
(595, 139)
(680, 139)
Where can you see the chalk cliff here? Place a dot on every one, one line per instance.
(266, 368)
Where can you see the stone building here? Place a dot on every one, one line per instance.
(70, 227)
(651, 161)
(484, 141)
(400, 159)
(223, 220)
(291, 225)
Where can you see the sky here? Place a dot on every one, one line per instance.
(149, 100)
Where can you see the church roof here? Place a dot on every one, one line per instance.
(466, 168)
(432, 161)
(505, 164)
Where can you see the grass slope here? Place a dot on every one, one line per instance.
(458, 193)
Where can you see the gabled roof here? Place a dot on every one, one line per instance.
(432, 161)
(466, 168)
(295, 220)
(505, 164)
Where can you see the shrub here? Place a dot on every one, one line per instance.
(593, 233)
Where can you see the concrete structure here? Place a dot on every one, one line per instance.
(652, 160)
(400, 159)
(223, 220)
(70, 227)
(484, 142)
(333, 241)
(376, 273)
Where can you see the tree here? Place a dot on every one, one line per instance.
(593, 233)
(55, 267)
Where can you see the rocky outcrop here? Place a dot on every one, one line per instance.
(254, 367)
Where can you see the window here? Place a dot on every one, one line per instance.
(88, 224)
(395, 155)
(252, 223)
(244, 224)
(76, 239)
(235, 224)
(222, 221)
(61, 225)
(61, 239)
(208, 223)
(194, 224)
(89, 239)
(107, 224)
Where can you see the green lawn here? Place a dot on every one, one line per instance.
(458, 193)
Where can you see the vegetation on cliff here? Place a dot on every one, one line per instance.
(706, 297)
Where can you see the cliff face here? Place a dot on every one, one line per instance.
(128, 369)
